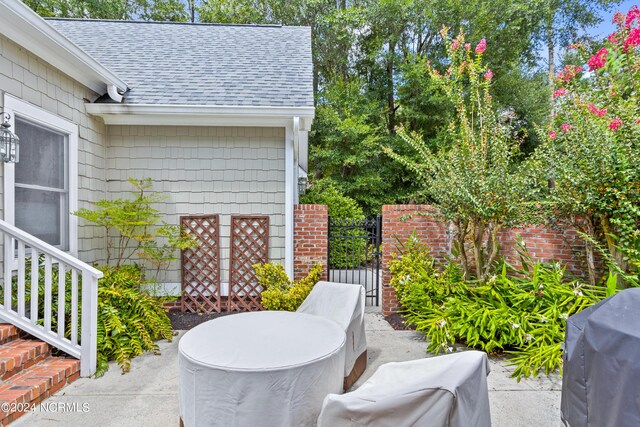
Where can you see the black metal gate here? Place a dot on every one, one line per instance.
(354, 254)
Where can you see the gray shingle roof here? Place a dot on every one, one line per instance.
(169, 63)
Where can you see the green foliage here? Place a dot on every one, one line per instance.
(521, 312)
(131, 228)
(343, 252)
(340, 206)
(129, 320)
(346, 147)
(475, 182)
(147, 10)
(592, 148)
(280, 292)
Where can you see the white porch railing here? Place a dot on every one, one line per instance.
(32, 300)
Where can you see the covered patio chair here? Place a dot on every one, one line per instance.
(442, 391)
(344, 304)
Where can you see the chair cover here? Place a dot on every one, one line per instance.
(443, 391)
(344, 304)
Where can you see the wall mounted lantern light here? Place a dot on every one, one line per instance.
(302, 184)
(9, 141)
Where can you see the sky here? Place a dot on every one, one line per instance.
(607, 27)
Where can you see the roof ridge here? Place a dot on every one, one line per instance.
(204, 24)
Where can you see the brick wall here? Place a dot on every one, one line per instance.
(545, 243)
(398, 222)
(310, 239)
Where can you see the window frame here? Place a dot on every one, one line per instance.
(41, 117)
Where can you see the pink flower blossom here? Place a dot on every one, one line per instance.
(638, 121)
(488, 75)
(598, 60)
(467, 46)
(613, 38)
(618, 17)
(481, 47)
(569, 72)
(566, 127)
(553, 134)
(455, 45)
(595, 110)
(632, 15)
(559, 92)
(633, 39)
(615, 124)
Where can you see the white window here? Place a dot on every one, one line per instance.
(40, 191)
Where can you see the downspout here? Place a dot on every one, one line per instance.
(296, 157)
(289, 197)
(113, 93)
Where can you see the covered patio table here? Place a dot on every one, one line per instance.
(267, 368)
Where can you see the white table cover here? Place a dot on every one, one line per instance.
(344, 304)
(266, 368)
(442, 391)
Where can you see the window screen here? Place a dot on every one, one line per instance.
(41, 184)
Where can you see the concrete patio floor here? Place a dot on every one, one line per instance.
(148, 395)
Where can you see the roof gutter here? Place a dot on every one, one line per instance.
(24, 27)
(201, 115)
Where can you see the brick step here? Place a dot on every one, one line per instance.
(34, 384)
(21, 354)
(8, 333)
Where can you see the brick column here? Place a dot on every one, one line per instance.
(398, 222)
(310, 239)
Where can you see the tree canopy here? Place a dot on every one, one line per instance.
(370, 61)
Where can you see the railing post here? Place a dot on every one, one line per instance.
(89, 324)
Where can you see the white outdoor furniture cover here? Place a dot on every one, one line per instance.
(443, 391)
(267, 368)
(343, 303)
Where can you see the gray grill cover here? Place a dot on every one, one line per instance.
(601, 370)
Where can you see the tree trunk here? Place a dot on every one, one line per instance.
(461, 236)
(589, 248)
(192, 10)
(616, 253)
(315, 79)
(391, 105)
(477, 234)
(493, 248)
(551, 52)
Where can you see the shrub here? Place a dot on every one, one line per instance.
(592, 148)
(343, 252)
(340, 206)
(129, 320)
(521, 312)
(132, 228)
(475, 182)
(280, 292)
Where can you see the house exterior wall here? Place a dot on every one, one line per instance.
(204, 170)
(32, 80)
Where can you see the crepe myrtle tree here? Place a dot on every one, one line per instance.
(592, 147)
(474, 181)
